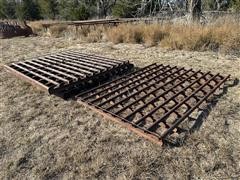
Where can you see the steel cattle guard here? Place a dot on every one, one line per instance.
(63, 72)
(155, 100)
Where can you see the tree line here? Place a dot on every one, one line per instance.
(86, 9)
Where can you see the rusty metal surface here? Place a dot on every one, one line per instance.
(154, 101)
(110, 22)
(65, 71)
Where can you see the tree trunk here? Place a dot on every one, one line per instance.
(98, 10)
(195, 10)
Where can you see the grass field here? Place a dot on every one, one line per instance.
(45, 137)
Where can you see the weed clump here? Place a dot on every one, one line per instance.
(57, 30)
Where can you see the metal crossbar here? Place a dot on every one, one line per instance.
(155, 100)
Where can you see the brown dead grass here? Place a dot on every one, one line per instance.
(38, 27)
(149, 34)
(153, 34)
(58, 30)
(125, 34)
(95, 34)
(215, 37)
(222, 35)
(44, 137)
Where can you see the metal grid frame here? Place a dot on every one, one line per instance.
(62, 72)
(155, 100)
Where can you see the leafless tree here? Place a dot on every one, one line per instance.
(103, 7)
(195, 10)
(149, 6)
(219, 4)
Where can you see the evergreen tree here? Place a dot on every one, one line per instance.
(85, 9)
(28, 10)
(235, 4)
(125, 8)
(73, 10)
(48, 8)
(7, 9)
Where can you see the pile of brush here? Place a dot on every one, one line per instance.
(13, 29)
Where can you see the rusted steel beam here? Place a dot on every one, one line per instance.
(52, 70)
(36, 74)
(61, 74)
(107, 59)
(194, 107)
(126, 125)
(72, 65)
(63, 67)
(165, 102)
(58, 68)
(129, 78)
(149, 93)
(154, 100)
(27, 78)
(178, 104)
(99, 60)
(86, 64)
(141, 82)
(45, 72)
(57, 61)
(86, 60)
(133, 88)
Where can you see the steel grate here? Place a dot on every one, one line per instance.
(64, 72)
(153, 101)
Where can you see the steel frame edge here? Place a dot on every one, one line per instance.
(27, 79)
(123, 124)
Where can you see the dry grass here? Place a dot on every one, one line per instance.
(125, 34)
(37, 26)
(222, 35)
(96, 34)
(58, 30)
(141, 33)
(44, 137)
(215, 37)
(154, 34)
(85, 34)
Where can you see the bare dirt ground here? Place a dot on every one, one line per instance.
(45, 137)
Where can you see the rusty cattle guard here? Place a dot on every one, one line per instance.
(155, 100)
(63, 72)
